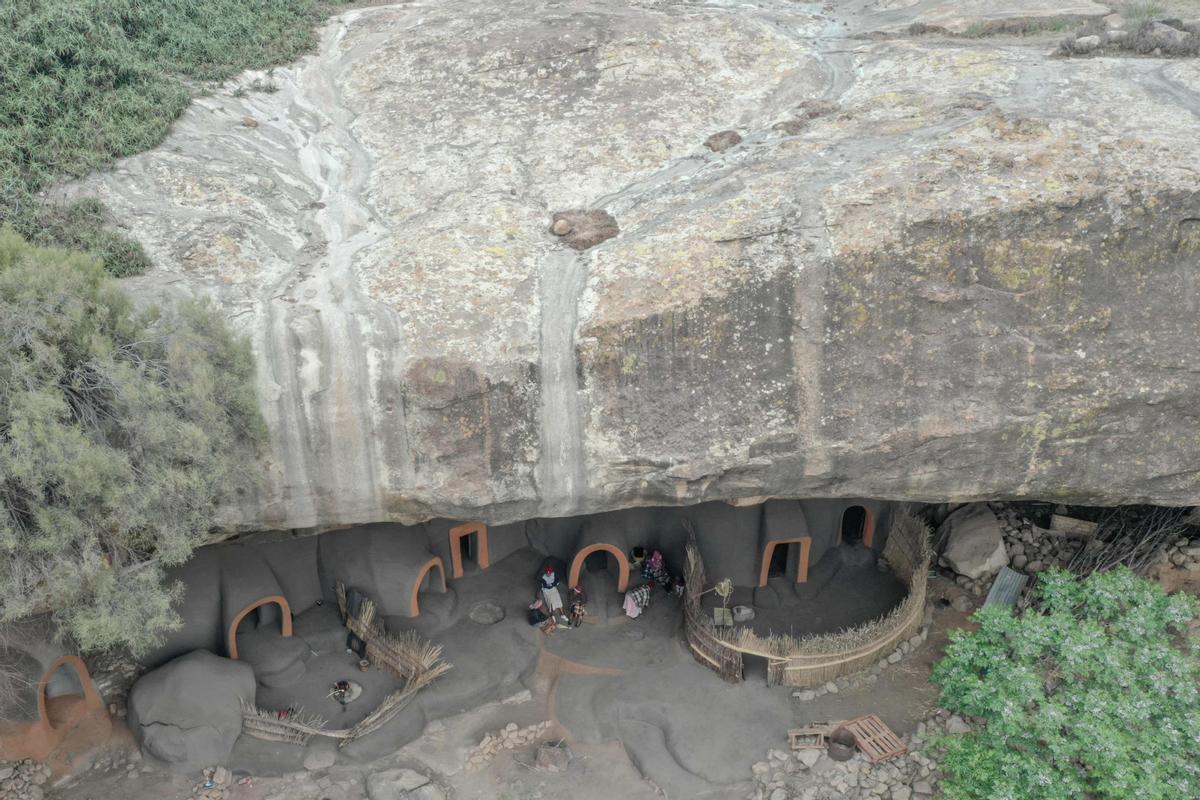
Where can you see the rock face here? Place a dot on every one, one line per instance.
(935, 268)
(188, 711)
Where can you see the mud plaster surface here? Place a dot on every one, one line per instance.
(630, 702)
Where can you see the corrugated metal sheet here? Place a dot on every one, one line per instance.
(1007, 587)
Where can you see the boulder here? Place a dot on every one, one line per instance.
(957, 725)
(975, 300)
(188, 712)
(1170, 39)
(976, 546)
(1085, 44)
(720, 142)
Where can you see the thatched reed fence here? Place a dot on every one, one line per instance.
(709, 644)
(814, 660)
(406, 656)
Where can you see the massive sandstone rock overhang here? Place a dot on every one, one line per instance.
(933, 268)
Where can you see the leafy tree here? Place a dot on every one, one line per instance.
(1092, 693)
(121, 434)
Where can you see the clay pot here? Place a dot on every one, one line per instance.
(842, 744)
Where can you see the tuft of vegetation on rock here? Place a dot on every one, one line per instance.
(1093, 692)
(121, 435)
(83, 82)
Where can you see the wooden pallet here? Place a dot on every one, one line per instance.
(875, 739)
(811, 737)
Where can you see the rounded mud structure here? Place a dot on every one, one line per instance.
(811, 658)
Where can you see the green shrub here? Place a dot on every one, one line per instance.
(121, 434)
(1092, 693)
(83, 82)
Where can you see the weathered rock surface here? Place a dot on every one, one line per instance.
(971, 273)
(188, 712)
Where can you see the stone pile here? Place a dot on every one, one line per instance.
(1183, 553)
(813, 775)
(217, 785)
(114, 675)
(23, 780)
(126, 761)
(1161, 36)
(508, 738)
(1032, 549)
(871, 674)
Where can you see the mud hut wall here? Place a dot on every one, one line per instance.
(606, 531)
(651, 527)
(555, 536)
(383, 560)
(199, 609)
(294, 564)
(437, 538)
(504, 540)
(825, 522)
(784, 521)
(729, 540)
(817, 660)
(246, 578)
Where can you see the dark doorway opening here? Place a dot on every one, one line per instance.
(779, 560)
(854, 525)
(596, 562)
(754, 668)
(467, 548)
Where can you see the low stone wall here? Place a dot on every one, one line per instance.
(814, 660)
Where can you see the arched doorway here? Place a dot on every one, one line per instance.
(616, 552)
(424, 582)
(91, 700)
(858, 525)
(285, 621)
(60, 719)
(468, 543)
(778, 555)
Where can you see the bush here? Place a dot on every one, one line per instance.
(83, 82)
(1094, 693)
(121, 434)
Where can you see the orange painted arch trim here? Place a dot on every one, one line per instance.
(415, 606)
(286, 610)
(91, 697)
(868, 536)
(581, 556)
(805, 543)
(456, 535)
